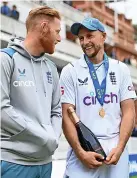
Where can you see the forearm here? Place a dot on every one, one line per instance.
(126, 128)
(71, 135)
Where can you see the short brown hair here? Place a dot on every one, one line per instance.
(41, 13)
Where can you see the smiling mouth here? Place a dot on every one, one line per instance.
(88, 48)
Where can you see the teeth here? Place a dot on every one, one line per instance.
(88, 47)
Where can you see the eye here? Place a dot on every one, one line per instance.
(81, 38)
(58, 31)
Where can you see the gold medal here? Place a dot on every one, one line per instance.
(102, 112)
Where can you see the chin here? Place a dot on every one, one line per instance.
(90, 55)
(51, 52)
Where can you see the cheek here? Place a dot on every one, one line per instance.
(101, 40)
(82, 44)
(53, 38)
(98, 42)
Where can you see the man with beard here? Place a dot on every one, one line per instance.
(30, 99)
(102, 94)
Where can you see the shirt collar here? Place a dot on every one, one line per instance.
(82, 62)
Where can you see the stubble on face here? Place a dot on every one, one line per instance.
(52, 37)
(47, 41)
(93, 51)
(90, 41)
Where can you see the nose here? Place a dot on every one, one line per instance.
(86, 40)
(59, 38)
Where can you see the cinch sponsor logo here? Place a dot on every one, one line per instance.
(19, 83)
(131, 88)
(22, 83)
(92, 100)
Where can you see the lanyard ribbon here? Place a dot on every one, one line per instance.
(100, 89)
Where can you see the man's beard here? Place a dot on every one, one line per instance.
(46, 44)
(96, 51)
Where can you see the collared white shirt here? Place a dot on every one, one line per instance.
(78, 89)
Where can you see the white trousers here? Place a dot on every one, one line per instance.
(75, 169)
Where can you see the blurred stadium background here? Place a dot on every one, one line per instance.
(121, 44)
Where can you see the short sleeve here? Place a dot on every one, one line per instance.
(127, 90)
(67, 86)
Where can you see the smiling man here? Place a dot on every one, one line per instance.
(30, 99)
(98, 88)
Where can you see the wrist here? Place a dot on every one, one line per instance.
(80, 153)
(120, 147)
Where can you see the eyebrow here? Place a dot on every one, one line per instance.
(80, 36)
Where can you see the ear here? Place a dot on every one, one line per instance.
(44, 26)
(104, 36)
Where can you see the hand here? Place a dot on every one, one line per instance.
(113, 156)
(89, 159)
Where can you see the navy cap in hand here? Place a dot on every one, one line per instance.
(90, 23)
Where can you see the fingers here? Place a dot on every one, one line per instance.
(109, 157)
(113, 160)
(91, 161)
(95, 161)
(113, 157)
(98, 156)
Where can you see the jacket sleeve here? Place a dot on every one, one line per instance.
(11, 121)
(56, 111)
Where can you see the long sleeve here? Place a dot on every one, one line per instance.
(56, 111)
(11, 121)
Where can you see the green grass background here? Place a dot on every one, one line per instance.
(133, 177)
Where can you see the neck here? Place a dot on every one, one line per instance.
(98, 58)
(33, 45)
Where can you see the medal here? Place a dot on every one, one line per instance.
(100, 89)
(102, 112)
